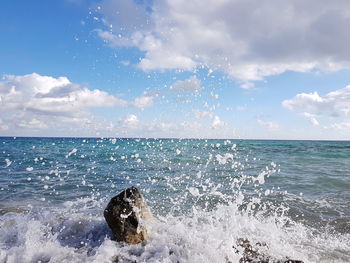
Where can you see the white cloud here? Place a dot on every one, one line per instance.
(333, 108)
(113, 40)
(157, 128)
(144, 101)
(130, 121)
(3, 126)
(183, 129)
(202, 114)
(268, 124)
(247, 39)
(35, 105)
(247, 85)
(216, 123)
(34, 102)
(335, 104)
(32, 124)
(45, 95)
(311, 118)
(342, 126)
(191, 84)
(126, 14)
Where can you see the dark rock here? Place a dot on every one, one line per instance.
(4, 211)
(256, 253)
(125, 215)
(121, 259)
(250, 253)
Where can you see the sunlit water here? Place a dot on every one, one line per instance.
(204, 194)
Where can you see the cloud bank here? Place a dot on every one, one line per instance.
(333, 106)
(33, 105)
(247, 39)
(45, 95)
(37, 102)
(191, 84)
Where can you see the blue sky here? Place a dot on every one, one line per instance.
(207, 69)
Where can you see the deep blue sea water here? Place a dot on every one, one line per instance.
(204, 194)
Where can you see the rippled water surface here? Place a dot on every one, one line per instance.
(205, 194)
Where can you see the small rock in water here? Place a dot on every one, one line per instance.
(257, 254)
(125, 215)
(4, 211)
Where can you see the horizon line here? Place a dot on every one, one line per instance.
(165, 138)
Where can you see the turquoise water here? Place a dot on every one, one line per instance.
(205, 194)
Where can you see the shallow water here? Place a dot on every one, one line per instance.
(205, 194)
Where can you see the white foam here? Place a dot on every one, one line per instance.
(222, 159)
(76, 232)
(73, 151)
(8, 162)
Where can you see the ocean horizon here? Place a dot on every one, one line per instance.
(168, 138)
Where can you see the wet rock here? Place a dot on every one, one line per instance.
(257, 253)
(122, 259)
(126, 214)
(4, 211)
(250, 253)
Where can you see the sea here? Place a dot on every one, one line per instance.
(205, 195)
